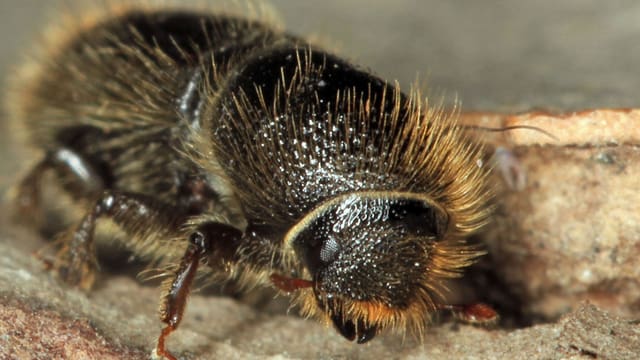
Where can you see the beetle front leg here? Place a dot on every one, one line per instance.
(212, 244)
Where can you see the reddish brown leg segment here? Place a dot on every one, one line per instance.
(476, 313)
(175, 300)
(288, 284)
(212, 243)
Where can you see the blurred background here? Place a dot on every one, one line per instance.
(505, 56)
(492, 54)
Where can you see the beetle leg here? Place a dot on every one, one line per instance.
(213, 244)
(476, 313)
(174, 301)
(76, 172)
(27, 197)
(143, 220)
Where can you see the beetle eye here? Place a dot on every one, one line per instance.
(329, 249)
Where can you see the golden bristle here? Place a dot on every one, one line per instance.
(429, 153)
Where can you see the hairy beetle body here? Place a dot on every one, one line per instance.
(225, 146)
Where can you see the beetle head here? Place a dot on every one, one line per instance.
(375, 260)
